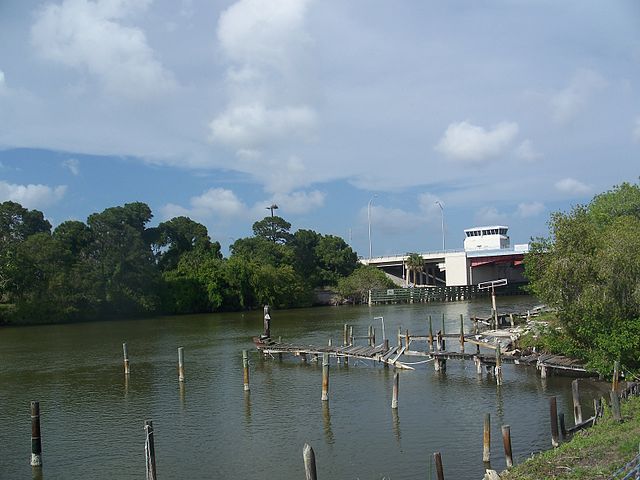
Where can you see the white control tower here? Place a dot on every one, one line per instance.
(486, 238)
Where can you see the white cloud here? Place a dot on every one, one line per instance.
(636, 130)
(526, 152)
(572, 186)
(215, 201)
(533, 209)
(73, 165)
(489, 215)
(249, 125)
(392, 220)
(470, 143)
(295, 202)
(87, 35)
(569, 102)
(32, 196)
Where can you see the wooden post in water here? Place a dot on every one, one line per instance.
(498, 366)
(461, 333)
(444, 347)
(373, 337)
(430, 334)
(267, 321)
(370, 335)
(36, 440)
(439, 470)
(493, 305)
(245, 369)
(486, 439)
(125, 354)
(181, 364)
(438, 341)
(345, 338)
(149, 451)
(476, 331)
(616, 376)
(325, 377)
(506, 441)
(577, 409)
(478, 364)
(350, 334)
(407, 338)
(615, 406)
(511, 320)
(553, 416)
(563, 427)
(399, 337)
(309, 458)
(396, 387)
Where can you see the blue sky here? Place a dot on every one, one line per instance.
(502, 111)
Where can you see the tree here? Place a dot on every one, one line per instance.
(335, 259)
(415, 265)
(356, 286)
(589, 269)
(273, 228)
(177, 236)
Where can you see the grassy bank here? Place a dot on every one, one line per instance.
(595, 453)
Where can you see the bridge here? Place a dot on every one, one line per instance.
(487, 255)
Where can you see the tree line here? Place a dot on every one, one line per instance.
(115, 265)
(588, 268)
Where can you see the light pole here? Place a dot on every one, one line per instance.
(272, 207)
(369, 220)
(442, 216)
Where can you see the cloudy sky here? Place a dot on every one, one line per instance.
(503, 111)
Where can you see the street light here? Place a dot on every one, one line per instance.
(442, 215)
(369, 220)
(272, 207)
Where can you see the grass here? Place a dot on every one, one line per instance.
(595, 453)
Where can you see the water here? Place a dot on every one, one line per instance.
(92, 416)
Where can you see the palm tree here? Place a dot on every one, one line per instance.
(414, 263)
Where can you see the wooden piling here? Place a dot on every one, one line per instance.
(430, 334)
(245, 369)
(615, 406)
(444, 346)
(181, 364)
(563, 427)
(386, 345)
(439, 470)
(373, 337)
(399, 337)
(478, 364)
(350, 334)
(486, 439)
(461, 333)
(325, 377)
(407, 338)
(150, 451)
(370, 335)
(345, 338)
(498, 365)
(506, 441)
(125, 354)
(309, 458)
(396, 388)
(267, 321)
(476, 331)
(553, 417)
(36, 440)
(577, 409)
(616, 376)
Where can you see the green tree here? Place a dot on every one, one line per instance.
(335, 259)
(177, 236)
(356, 286)
(415, 266)
(275, 229)
(589, 269)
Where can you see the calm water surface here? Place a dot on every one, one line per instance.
(92, 417)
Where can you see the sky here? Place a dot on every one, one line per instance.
(392, 115)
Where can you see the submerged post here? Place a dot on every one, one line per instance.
(396, 387)
(506, 441)
(309, 458)
(577, 409)
(553, 416)
(486, 439)
(149, 451)
(245, 369)
(125, 354)
(439, 470)
(325, 377)
(181, 364)
(36, 441)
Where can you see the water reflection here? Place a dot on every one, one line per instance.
(247, 407)
(326, 422)
(36, 473)
(183, 395)
(500, 403)
(395, 423)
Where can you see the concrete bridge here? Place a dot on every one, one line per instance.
(486, 256)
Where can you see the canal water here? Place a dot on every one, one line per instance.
(93, 417)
